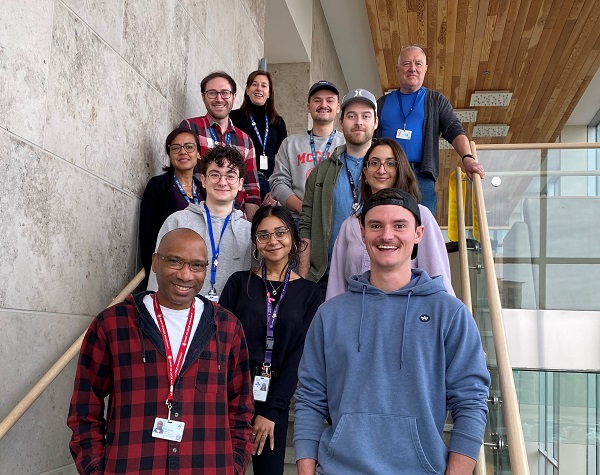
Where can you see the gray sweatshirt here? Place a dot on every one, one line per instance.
(235, 251)
(294, 162)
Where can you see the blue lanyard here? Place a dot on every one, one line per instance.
(194, 194)
(272, 312)
(262, 144)
(215, 249)
(214, 136)
(406, 116)
(313, 150)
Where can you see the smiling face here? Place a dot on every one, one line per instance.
(182, 160)
(411, 69)
(222, 189)
(218, 108)
(384, 175)
(274, 250)
(358, 122)
(177, 288)
(389, 234)
(259, 91)
(323, 106)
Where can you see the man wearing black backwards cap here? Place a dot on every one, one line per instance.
(386, 360)
(299, 154)
(332, 190)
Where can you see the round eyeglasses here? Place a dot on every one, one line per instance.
(215, 177)
(264, 237)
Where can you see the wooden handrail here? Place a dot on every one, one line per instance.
(13, 416)
(510, 405)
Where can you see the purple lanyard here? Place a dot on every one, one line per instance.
(272, 312)
(194, 194)
(263, 144)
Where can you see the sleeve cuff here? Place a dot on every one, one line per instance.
(306, 449)
(465, 444)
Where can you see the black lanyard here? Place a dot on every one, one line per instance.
(272, 312)
(353, 188)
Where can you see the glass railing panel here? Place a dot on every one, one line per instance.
(543, 210)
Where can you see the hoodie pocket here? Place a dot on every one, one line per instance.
(380, 443)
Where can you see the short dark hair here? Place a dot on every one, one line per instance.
(269, 105)
(286, 216)
(220, 153)
(172, 136)
(405, 177)
(218, 74)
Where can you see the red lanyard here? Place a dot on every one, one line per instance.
(173, 369)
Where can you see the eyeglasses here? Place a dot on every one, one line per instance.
(375, 164)
(188, 147)
(215, 177)
(265, 237)
(178, 264)
(213, 93)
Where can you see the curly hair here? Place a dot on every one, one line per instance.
(220, 153)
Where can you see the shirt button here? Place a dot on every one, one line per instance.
(174, 450)
(176, 414)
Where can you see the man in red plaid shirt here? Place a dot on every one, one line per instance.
(218, 94)
(176, 372)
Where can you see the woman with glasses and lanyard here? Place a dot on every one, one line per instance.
(259, 119)
(276, 307)
(385, 166)
(172, 191)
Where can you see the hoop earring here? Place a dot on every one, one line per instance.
(256, 255)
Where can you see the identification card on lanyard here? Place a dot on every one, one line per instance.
(162, 427)
(260, 388)
(212, 293)
(264, 161)
(403, 133)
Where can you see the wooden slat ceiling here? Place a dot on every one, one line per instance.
(543, 51)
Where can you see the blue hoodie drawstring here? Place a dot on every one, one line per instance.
(362, 314)
(410, 292)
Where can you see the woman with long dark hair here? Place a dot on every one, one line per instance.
(260, 120)
(385, 166)
(276, 307)
(172, 191)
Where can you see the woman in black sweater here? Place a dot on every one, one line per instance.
(172, 191)
(275, 306)
(254, 117)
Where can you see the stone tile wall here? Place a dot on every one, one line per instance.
(88, 92)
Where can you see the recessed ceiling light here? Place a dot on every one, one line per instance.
(490, 98)
(490, 130)
(466, 115)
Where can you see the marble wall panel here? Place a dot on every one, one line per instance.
(249, 46)
(105, 18)
(68, 239)
(25, 29)
(291, 83)
(43, 426)
(146, 32)
(101, 114)
(221, 29)
(178, 57)
(196, 10)
(257, 12)
(202, 60)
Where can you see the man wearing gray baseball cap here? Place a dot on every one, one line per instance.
(332, 189)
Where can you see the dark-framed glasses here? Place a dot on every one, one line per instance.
(213, 93)
(375, 164)
(264, 237)
(215, 177)
(177, 264)
(188, 147)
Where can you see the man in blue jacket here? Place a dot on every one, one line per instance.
(386, 361)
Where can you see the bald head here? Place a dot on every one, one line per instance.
(181, 234)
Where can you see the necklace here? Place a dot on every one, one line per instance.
(274, 290)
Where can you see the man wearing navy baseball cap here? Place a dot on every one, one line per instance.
(389, 358)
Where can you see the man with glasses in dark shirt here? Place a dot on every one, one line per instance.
(215, 128)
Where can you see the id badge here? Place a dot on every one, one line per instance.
(261, 388)
(264, 162)
(210, 143)
(168, 430)
(404, 134)
(212, 295)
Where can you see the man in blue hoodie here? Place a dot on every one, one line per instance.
(386, 361)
